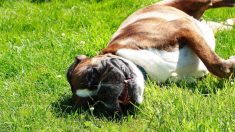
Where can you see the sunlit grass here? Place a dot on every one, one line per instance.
(38, 41)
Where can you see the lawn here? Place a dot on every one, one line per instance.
(38, 41)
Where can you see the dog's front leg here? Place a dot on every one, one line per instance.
(216, 65)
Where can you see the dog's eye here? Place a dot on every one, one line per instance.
(92, 78)
(94, 71)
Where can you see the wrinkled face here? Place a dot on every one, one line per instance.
(105, 79)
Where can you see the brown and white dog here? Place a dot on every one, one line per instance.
(165, 40)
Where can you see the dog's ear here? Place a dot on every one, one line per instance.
(70, 70)
(79, 58)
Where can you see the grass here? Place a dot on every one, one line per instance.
(38, 42)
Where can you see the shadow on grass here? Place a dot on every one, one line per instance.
(205, 85)
(40, 1)
(64, 107)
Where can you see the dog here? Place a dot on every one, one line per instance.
(165, 41)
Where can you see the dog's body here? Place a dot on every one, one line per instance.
(164, 40)
(173, 62)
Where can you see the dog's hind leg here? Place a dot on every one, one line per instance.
(222, 3)
(196, 8)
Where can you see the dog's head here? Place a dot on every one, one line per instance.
(105, 79)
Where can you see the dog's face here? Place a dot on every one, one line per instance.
(104, 79)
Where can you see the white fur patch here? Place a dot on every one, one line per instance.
(85, 92)
(162, 65)
(207, 33)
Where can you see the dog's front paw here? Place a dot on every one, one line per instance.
(228, 67)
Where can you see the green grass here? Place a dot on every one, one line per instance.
(38, 42)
